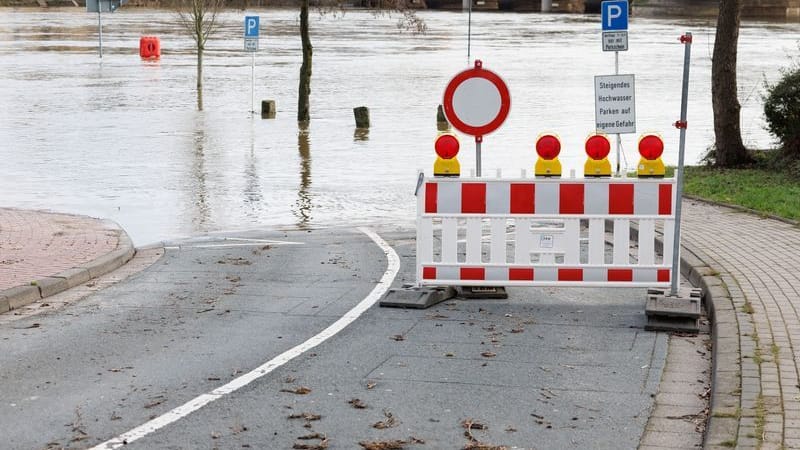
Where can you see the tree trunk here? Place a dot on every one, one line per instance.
(730, 150)
(199, 78)
(303, 114)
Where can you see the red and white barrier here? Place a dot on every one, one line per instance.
(543, 232)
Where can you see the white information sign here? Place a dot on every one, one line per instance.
(615, 41)
(614, 103)
(251, 44)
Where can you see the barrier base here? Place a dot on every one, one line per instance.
(673, 313)
(470, 292)
(417, 297)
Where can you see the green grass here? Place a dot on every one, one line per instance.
(762, 190)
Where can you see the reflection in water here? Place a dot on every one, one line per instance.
(303, 203)
(361, 134)
(199, 189)
(252, 188)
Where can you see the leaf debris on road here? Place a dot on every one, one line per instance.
(357, 403)
(301, 390)
(390, 421)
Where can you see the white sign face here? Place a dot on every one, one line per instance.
(476, 101)
(614, 104)
(615, 41)
(251, 44)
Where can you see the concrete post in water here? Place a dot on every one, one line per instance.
(441, 120)
(362, 116)
(547, 5)
(268, 109)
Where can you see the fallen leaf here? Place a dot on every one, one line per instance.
(216, 435)
(517, 330)
(321, 446)
(383, 445)
(398, 337)
(306, 415)
(371, 384)
(302, 390)
(155, 402)
(309, 437)
(482, 446)
(357, 403)
(388, 423)
(236, 429)
(488, 354)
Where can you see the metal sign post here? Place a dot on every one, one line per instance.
(251, 26)
(686, 39)
(614, 17)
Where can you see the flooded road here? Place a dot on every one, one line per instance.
(120, 138)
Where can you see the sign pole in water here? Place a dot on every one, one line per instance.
(686, 39)
(251, 25)
(614, 17)
(476, 102)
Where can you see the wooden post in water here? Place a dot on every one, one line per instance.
(268, 109)
(362, 116)
(441, 120)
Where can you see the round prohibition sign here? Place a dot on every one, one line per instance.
(476, 101)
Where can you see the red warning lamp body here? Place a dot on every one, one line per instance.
(548, 147)
(446, 164)
(651, 147)
(597, 148)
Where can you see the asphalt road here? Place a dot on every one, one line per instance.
(547, 368)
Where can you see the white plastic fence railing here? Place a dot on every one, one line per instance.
(544, 232)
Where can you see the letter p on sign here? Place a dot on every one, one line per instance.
(614, 15)
(251, 26)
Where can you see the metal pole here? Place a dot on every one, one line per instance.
(100, 26)
(619, 138)
(478, 140)
(676, 246)
(253, 84)
(469, 35)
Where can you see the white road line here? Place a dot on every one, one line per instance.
(237, 383)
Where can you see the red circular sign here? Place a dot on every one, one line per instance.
(446, 146)
(597, 146)
(476, 101)
(548, 146)
(651, 147)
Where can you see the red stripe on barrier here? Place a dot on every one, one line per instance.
(620, 274)
(570, 274)
(663, 275)
(620, 199)
(523, 198)
(665, 199)
(473, 198)
(520, 274)
(429, 273)
(570, 199)
(431, 193)
(473, 273)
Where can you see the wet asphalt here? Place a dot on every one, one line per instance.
(546, 368)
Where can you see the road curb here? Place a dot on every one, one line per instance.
(723, 417)
(19, 296)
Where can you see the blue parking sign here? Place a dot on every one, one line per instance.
(614, 14)
(251, 26)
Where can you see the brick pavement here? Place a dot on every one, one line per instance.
(758, 260)
(37, 244)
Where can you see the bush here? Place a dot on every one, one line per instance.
(782, 111)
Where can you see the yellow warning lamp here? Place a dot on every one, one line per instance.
(597, 147)
(548, 146)
(446, 164)
(650, 165)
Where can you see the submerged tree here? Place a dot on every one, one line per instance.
(199, 18)
(729, 151)
(408, 21)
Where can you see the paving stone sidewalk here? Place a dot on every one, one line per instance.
(758, 330)
(42, 253)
